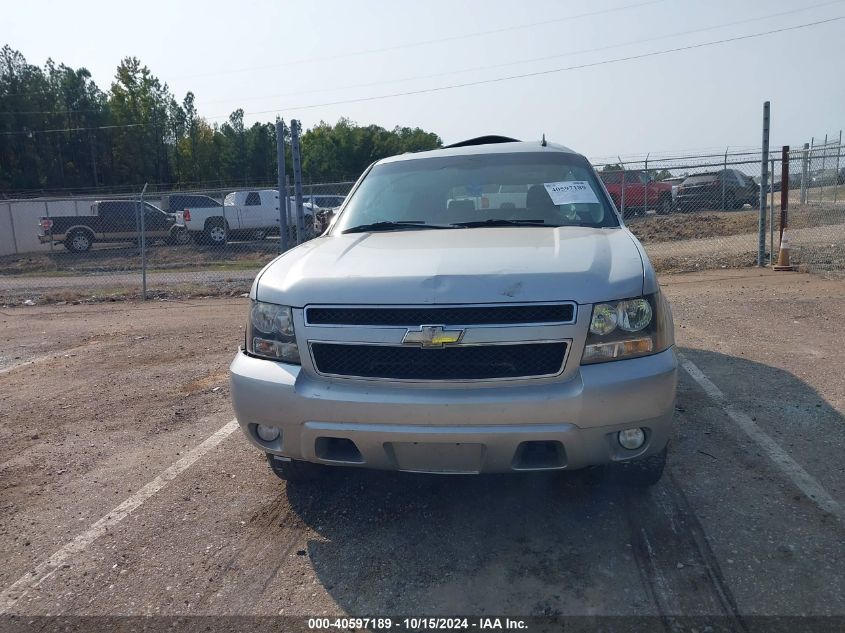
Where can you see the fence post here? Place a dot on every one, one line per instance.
(764, 166)
(282, 185)
(143, 246)
(805, 159)
(622, 195)
(14, 233)
(821, 173)
(297, 178)
(809, 167)
(645, 193)
(47, 214)
(724, 178)
(836, 181)
(772, 216)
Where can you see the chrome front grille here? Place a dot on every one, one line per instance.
(440, 342)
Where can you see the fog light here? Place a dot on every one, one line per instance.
(631, 439)
(267, 433)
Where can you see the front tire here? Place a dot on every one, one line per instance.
(639, 473)
(294, 470)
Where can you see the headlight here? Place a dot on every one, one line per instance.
(605, 318)
(628, 328)
(270, 334)
(634, 314)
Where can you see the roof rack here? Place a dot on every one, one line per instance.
(483, 140)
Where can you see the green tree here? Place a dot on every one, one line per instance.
(138, 104)
(58, 130)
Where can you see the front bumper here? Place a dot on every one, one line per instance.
(458, 429)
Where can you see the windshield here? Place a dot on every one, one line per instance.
(537, 189)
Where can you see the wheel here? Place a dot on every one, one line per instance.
(294, 470)
(215, 232)
(179, 237)
(639, 472)
(79, 241)
(260, 234)
(664, 205)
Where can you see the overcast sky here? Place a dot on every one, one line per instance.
(278, 57)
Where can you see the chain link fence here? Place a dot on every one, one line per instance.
(703, 211)
(692, 212)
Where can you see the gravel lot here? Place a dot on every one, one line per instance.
(98, 400)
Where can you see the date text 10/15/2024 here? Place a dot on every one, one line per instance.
(418, 624)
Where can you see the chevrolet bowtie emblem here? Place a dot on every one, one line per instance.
(432, 336)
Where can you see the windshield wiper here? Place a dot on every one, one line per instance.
(395, 226)
(499, 222)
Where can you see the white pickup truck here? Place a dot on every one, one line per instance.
(243, 215)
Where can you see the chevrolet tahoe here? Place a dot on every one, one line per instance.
(439, 326)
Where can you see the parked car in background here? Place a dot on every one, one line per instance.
(675, 183)
(324, 206)
(325, 201)
(243, 215)
(637, 185)
(827, 177)
(427, 332)
(111, 221)
(175, 202)
(705, 191)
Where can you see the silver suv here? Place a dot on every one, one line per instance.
(478, 308)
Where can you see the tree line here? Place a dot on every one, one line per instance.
(60, 131)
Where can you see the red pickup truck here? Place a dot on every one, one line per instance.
(638, 185)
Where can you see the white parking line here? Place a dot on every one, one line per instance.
(32, 579)
(792, 469)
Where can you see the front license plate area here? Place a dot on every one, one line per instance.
(436, 457)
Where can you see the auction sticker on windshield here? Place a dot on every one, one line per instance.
(571, 192)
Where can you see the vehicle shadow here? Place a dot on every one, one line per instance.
(542, 543)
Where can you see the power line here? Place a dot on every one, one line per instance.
(476, 68)
(550, 71)
(537, 59)
(75, 129)
(487, 81)
(385, 49)
(438, 40)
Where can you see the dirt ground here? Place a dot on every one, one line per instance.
(706, 224)
(98, 400)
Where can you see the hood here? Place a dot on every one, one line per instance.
(484, 265)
